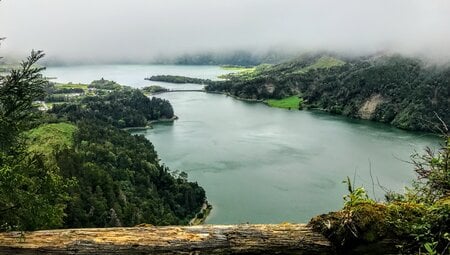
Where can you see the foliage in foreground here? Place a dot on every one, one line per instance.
(33, 194)
(418, 219)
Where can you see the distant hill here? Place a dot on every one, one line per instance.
(237, 57)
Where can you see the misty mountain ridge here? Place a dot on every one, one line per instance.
(242, 58)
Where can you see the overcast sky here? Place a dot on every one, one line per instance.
(139, 30)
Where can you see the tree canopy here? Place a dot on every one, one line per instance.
(32, 192)
(74, 167)
(122, 108)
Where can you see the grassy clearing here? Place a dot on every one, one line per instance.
(72, 86)
(246, 73)
(293, 102)
(46, 138)
(323, 62)
(241, 72)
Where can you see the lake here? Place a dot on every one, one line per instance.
(132, 75)
(260, 164)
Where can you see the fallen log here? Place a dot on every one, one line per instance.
(204, 239)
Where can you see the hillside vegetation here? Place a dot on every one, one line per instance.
(57, 93)
(176, 79)
(116, 178)
(120, 182)
(401, 91)
(234, 58)
(74, 167)
(49, 137)
(120, 108)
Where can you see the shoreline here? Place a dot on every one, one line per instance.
(307, 108)
(263, 101)
(321, 110)
(149, 126)
(236, 97)
(174, 117)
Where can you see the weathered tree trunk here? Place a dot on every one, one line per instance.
(204, 239)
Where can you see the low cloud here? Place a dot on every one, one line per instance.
(141, 30)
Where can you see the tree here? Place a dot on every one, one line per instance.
(18, 90)
(32, 192)
(433, 171)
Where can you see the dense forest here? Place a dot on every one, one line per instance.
(177, 79)
(120, 181)
(404, 92)
(103, 84)
(74, 167)
(121, 108)
(153, 89)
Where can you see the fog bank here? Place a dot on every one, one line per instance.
(141, 31)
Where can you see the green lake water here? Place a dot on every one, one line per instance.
(266, 165)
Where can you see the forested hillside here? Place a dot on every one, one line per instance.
(120, 108)
(75, 168)
(404, 92)
(120, 182)
(176, 79)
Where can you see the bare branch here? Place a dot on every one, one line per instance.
(444, 125)
(371, 178)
